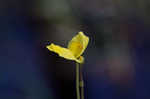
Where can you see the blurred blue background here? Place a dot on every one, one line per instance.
(116, 60)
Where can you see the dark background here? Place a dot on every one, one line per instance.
(116, 60)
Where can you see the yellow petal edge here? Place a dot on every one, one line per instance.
(75, 48)
(78, 44)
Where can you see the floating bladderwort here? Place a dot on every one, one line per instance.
(75, 49)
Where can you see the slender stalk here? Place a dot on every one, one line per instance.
(77, 81)
(82, 92)
(81, 82)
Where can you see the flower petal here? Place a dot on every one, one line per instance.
(81, 59)
(63, 52)
(78, 44)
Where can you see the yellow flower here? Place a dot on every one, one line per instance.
(75, 48)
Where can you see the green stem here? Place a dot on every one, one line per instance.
(81, 82)
(77, 81)
(82, 92)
